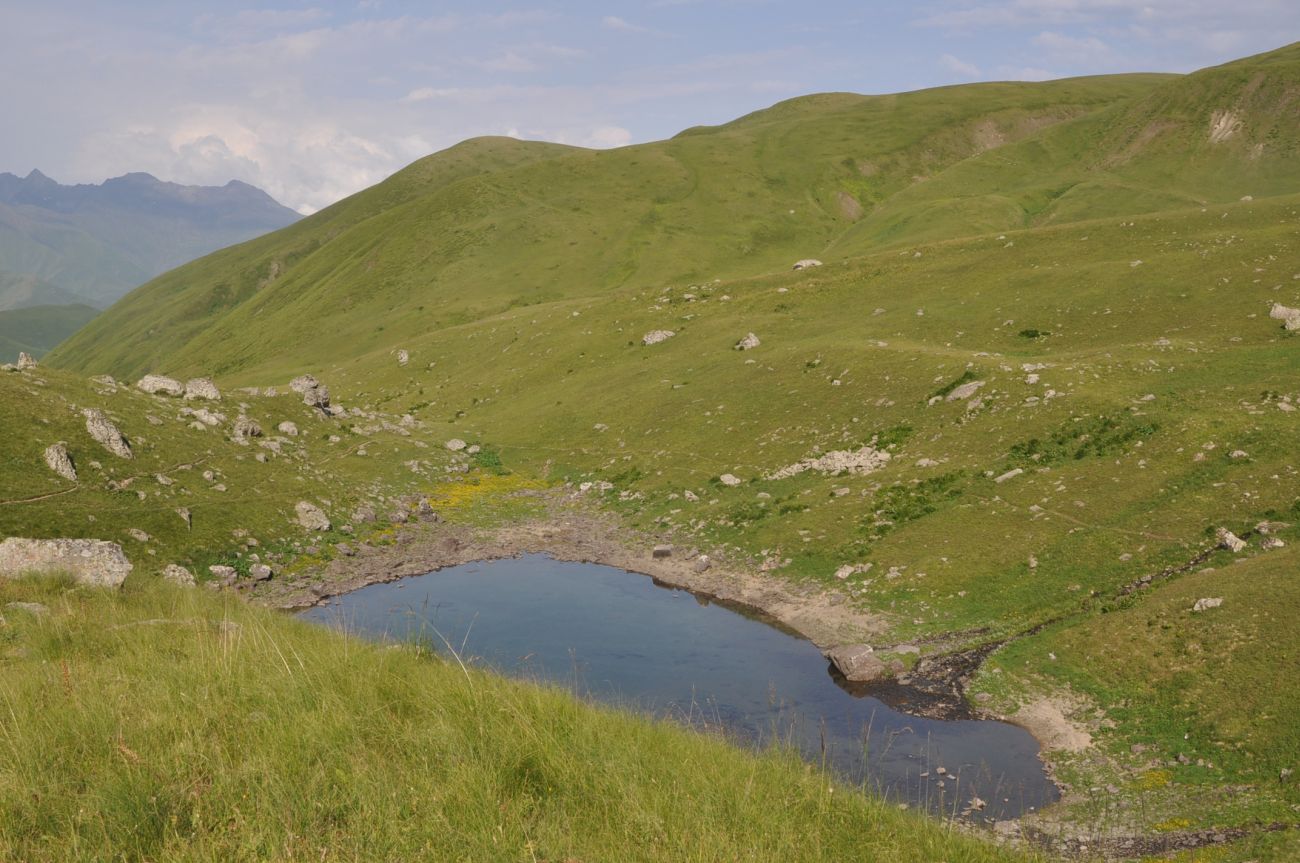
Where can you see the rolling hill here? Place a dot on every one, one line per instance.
(1033, 404)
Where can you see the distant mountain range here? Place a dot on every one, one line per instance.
(94, 243)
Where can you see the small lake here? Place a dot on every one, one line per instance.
(617, 637)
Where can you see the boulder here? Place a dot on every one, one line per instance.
(455, 444)
(654, 337)
(25, 361)
(1289, 317)
(311, 516)
(202, 388)
(964, 391)
(730, 480)
(90, 561)
(1229, 540)
(403, 357)
(224, 575)
(1207, 602)
(178, 575)
(58, 460)
(259, 572)
(101, 428)
(246, 428)
(287, 428)
(806, 263)
(364, 514)
(160, 385)
(749, 342)
(858, 663)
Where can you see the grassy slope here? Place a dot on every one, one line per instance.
(36, 329)
(419, 252)
(261, 738)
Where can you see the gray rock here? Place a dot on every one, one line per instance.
(455, 444)
(806, 264)
(364, 514)
(224, 575)
(178, 575)
(1290, 318)
(1207, 602)
(160, 385)
(90, 561)
(1229, 540)
(964, 391)
(311, 516)
(137, 534)
(247, 428)
(58, 460)
(101, 428)
(702, 563)
(654, 337)
(259, 572)
(730, 480)
(314, 393)
(858, 663)
(25, 361)
(202, 388)
(403, 357)
(662, 551)
(287, 428)
(749, 342)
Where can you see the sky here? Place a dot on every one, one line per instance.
(313, 101)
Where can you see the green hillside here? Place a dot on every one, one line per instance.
(36, 329)
(1034, 381)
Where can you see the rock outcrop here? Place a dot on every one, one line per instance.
(202, 388)
(90, 561)
(160, 385)
(314, 393)
(101, 428)
(654, 337)
(58, 460)
(25, 361)
(178, 575)
(311, 516)
(862, 461)
(964, 391)
(749, 342)
(858, 663)
(246, 428)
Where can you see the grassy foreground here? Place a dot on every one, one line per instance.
(164, 724)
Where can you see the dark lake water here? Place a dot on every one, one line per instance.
(617, 637)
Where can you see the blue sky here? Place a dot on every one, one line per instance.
(314, 101)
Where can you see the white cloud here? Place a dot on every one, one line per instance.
(960, 67)
(1073, 49)
(607, 137)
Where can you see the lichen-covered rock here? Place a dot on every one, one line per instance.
(202, 388)
(311, 516)
(58, 460)
(246, 428)
(654, 337)
(90, 561)
(25, 361)
(101, 428)
(859, 663)
(364, 514)
(178, 575)
(160, 385)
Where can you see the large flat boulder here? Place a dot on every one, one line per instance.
(859, 663)
(90, 561)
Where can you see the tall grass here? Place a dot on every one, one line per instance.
(162, 724)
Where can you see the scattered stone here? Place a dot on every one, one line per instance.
(654, 337)
(25, 361)
(926, 462)
(202, 388)
(858, 663)
(403, 357)
(1269, 543)
(224, 575)
(1229, 540)
(691, 496)
(90, 561)
(399, 516)
(863, 461)
(311, 516)
(806, 263)
(1207, 602)
(178, 575)
(344, 549)
(702, 563)
(662, 551)
(749, 342)
(101, 428)
(730, 480)
(964, 391)
(1238, 454)
(1011, 474)
(455, 444)
(160, 385)
(287, 428)
(364, 514)
(137, 534)
(259, 572)
(314, 393)
(58, 460)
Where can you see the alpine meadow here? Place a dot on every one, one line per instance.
(991, 391)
